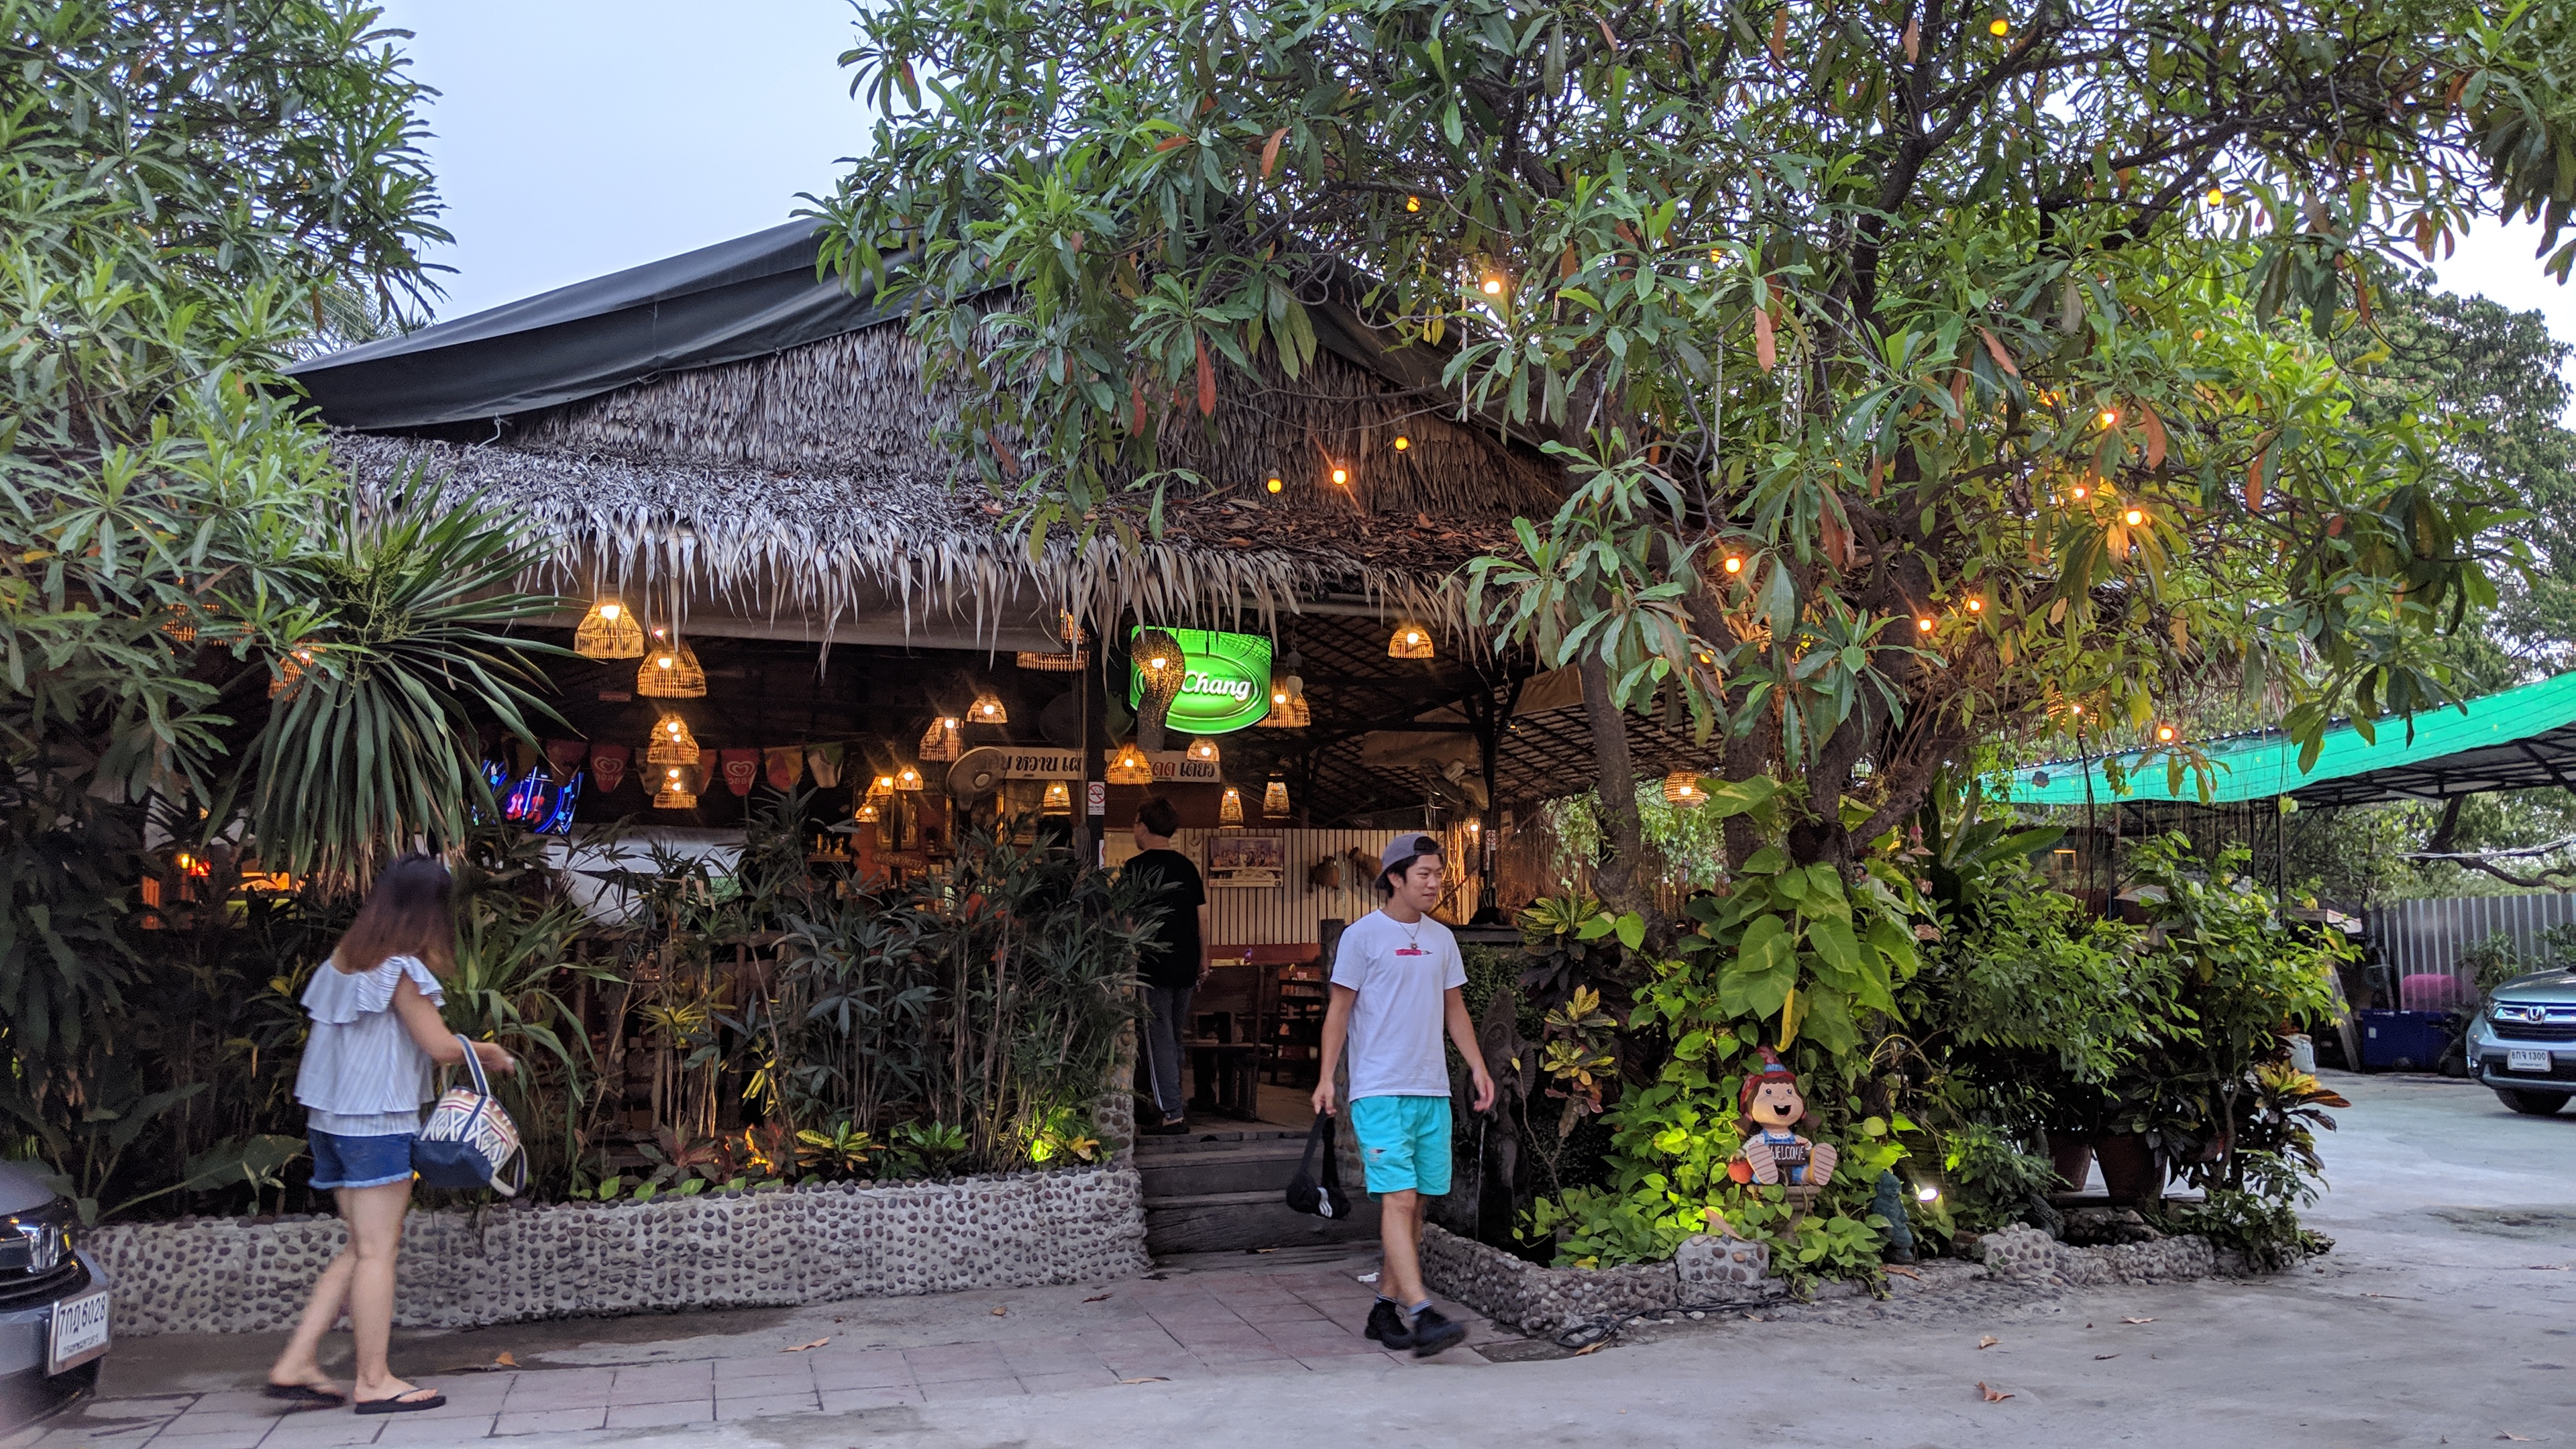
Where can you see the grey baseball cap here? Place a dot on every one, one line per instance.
(1405, 847)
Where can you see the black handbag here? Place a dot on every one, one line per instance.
(1323, 1198)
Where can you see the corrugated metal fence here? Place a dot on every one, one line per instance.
(2418, 939)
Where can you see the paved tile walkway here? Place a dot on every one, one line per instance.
(1189, 1326)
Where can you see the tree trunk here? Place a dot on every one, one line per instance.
(1615, 879)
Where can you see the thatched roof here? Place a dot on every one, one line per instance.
(820, 479)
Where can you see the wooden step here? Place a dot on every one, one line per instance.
(1210, 1222)
(1232, 1167)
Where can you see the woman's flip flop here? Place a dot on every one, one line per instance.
(400, 1406)
(307, 1394)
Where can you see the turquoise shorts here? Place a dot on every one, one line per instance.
(1404, 1143)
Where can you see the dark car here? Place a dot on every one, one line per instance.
(2524, 1043)
(53, 1301)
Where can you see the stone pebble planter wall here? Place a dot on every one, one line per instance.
(1717, 1272)
(721, 1250)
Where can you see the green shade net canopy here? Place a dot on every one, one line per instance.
(2517, 739)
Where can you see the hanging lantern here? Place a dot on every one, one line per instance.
(1130, 767)
(672, 743)
(608, 631)
(987, 710)
(1229, 811)
(290, 669)
(1160, 668)
(674, 794)
(670, 671)
(1204, 751)
(881, 785)
(1681, 787)
(1410, 641)
(942, 742)
(1059, 799)
(1051, 662)
(1287, 696)
(869, 814)
(1274, 799)
(907, 779)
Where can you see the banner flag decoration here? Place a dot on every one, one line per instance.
(608, 766)
(825, 762)
(741, 770)
(565, 756)
(786, 766)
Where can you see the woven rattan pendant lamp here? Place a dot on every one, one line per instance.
(1049, 661)
(1681, 787)
(609, 631)
(988, 710)
(1288, 697)
(674, 794)
(943, 742)
(1229, 810)
(1203, 750)
(1410, 641)
(1130, 767)
(670, 671)
(672, 744)
(1274, 799)
(1058, 800)
(1160, 668)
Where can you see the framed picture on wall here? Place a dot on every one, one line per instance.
(1239, 862)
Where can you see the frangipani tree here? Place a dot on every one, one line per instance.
(1916, 371)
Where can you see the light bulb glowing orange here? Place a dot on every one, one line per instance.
(1155, 663)
(2164, 733)
(1924, 625)
(2081, 490)
(1413, 203)
(665, 662)
(1976, 606)
(1493, 286)
(2134, 517)
(2217, 197)
(1341, 477)
(1402, 443)
(2110, 416)
(1999, 27)
(1274, 485)
(608, 611)
(1735, 565)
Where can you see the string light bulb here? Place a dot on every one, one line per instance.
(2216, 197)
(1976, 606)
(2164, 734)
(2110, 417)
(2134, 517)
(1402, 442)
(2082, 492)
(1999, 27)
(1923, 626)
(1274, 485)
(1493, 286)
(1413, 203)
(1341, 477)
(1734, 564)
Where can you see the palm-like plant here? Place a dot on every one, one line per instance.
(369, 749)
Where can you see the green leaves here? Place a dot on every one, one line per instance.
(373, 746)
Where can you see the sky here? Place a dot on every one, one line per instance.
(573, 138)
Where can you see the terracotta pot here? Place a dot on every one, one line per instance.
(2130, 1171)
(2072, 1156)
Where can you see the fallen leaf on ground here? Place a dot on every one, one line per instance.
(2097, 1358)
(1988, 1341)
(1096, 1298)
(1908, 1272)
(2519, 1438)
(2137, 1320)
(503, 1360)
(1594, 1347)
(1147, 1379)
(1993, 1396)
(800, 1348)
(1001, 1311)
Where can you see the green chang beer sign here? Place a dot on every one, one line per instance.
(1225, 685)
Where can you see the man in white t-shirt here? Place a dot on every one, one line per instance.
(1396, 980)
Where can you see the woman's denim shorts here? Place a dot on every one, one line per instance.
(359, 1161)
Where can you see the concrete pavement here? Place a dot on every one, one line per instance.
(2447, 1314)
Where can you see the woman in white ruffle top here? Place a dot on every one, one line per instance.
(366, 1072)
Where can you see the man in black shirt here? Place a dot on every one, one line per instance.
(1173, 964)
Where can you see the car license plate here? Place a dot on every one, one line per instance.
(80, 1332)
(2527, 1062)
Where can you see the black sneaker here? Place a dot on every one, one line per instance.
(1432, 1332)
(1386, 1325)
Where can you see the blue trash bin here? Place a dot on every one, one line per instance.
(2403, 1041)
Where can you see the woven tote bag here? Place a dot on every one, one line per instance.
(469, 1139)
